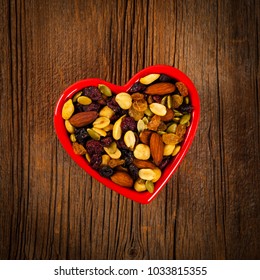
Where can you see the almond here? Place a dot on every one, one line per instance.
(160, 89)
(123, 179)
(157, 148)
(83, 118)
(143, 164)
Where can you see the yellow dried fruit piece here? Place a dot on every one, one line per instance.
(78, 149)
(149, 79)
(105, 159)
(70, 128)
(106, 112)
(116, 162)
(137, 96)
(101, 132)
(185, 118)
(168, 149)
(158, 173)
(154, 123)
(146, 174)
(101, 122)
(129, 139)
(140, 105)
(170, 138)
(142, 151)
(124, 100)
(158, 109)
(67, 109)
(181, 130)
(176, 100)
(117, 130)
(84, 100)
(176, 150)
(139, 185)
(136, 115)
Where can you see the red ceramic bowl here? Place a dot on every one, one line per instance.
(143, 197)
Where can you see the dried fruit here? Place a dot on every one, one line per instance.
(144, 136)
(83, 118)
(67, 109)
(106, 171)
(136, 115)
(157, 148)
(170, 138)
(116, 162)
(183, 90)
(123, 179)
(78, 149)
(154, 123)
(168, 116)
(140, 105)
(185, 118)
(160, 89)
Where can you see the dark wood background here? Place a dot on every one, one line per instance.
(50, 208)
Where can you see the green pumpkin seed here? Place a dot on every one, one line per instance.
(177, 120)
(177, 113)
(149, 186)
(185, 118)
(187, 100)
(93, 134)
(84, 100)
(148, 112)
(177, 100)
(145, 120)
(164, 100)
(172, 128)
(105, 90)
(75, 97)
(169, 101)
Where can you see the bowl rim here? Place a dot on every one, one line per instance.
(140, 197)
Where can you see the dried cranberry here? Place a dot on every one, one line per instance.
(165, 162)
(128, 156)
(133, 170)
(94, 147)
(91, 107)
(81, 135)
(78, 108)
(95, 161)
(92, 92)
(128, 123)
(137, 87)
(106, 141)
(185, 108)
(106, 171)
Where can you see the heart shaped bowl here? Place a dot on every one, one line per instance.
(141, 197)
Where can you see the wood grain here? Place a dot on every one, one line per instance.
(50, 208)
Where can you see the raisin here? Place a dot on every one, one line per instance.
(92, 92)
(128, 123)
(165, 162)
(165, 78)
(137, 87)
(96, 161)
(81, 135)
(111, 103)
(106, 141)
(185, 108)
(157, 98)
(121, 144)
(106, 171)
(91, 107)
(133, 170)
(128, 156)
(94, 147)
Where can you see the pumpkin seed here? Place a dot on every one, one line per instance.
(141, 126)
(73, 138)
(105, 90)
(149, 186)
(94, 135)
(177, 100)
(185, 118)
(177, 113)
(172, 128)
(169, 102)
(148, 112)
(187, 100)
(84, 100)
(176, 150)
(75, 97)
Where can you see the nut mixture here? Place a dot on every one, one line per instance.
(130, 137)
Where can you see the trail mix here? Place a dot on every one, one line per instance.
(131, 136)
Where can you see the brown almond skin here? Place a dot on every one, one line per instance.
(123, 179)
(143, 164)
(156, 147)
(83, 118)
(160, 89)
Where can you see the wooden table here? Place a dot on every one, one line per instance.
(51, 209)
